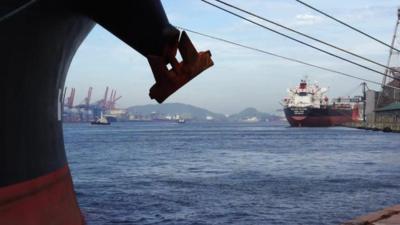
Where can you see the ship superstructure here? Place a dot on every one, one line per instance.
(307, 95)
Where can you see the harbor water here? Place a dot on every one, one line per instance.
(230, 173)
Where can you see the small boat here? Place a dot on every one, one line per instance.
(101, 121)
(181, 121)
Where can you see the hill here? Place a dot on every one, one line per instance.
(253, 115)
(173, 109)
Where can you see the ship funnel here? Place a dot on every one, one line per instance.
(169, 80)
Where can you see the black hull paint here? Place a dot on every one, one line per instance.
(314, 117)
(98, 123)
(37, 46)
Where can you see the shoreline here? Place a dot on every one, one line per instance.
(385, 127)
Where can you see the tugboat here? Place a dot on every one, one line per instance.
(308, 106)
(101, 121)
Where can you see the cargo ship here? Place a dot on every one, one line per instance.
(38, 41)
(308, 106)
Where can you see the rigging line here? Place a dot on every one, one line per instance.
(352, 90)
(304, 35)
(299, 41)
(282, 57)
(17, 10)
(347, 25)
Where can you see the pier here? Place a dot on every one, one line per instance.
(375, 126)
(387, 216)
(385, 119)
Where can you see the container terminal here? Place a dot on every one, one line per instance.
(87, 111)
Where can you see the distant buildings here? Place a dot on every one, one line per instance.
(389, 114)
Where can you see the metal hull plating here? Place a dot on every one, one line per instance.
(37, 46)
(313, 117)
(49, 199)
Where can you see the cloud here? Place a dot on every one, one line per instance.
(307, 19)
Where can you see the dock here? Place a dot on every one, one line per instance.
(387, 216)
(385, 119)
(375, 126)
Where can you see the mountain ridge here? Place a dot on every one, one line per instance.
(191, 112)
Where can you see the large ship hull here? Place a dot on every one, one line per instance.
(318, 117)
(38, 41)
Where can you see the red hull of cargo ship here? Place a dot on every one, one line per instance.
(320, 117)
(48, 199)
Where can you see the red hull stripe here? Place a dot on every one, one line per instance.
(47, 200)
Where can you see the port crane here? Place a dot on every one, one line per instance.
(70, 100)
(389, 95)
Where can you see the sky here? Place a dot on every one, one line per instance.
(240, 77)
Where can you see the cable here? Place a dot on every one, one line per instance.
(282, 57)
(347, 25)
(299, 41)
(17, 10)
(304, 35)
(351, 91)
